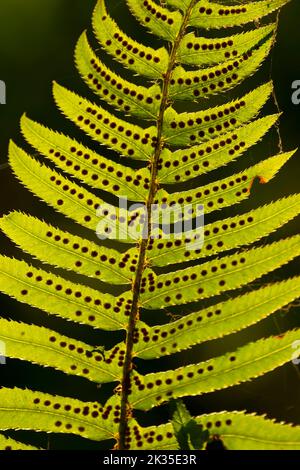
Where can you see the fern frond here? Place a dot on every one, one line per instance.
(160, 21)
(181, 5)
(225, 234)
(127, 139)
(220, 275)
(151, 63)
(201, 126)
(64, 250)
(237, 430)
(120, 93)
(207, 51)
(61, 193)
(170, 146)
(50, 349)
(197, 160)
(26, 409)
(225, 192)
(65, 196)
(214, 80)
(207, 14)
(6, 443)
(214, 322)
(230, 369)
(83, 163)
(56, 295)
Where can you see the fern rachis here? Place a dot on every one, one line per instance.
(172, 148)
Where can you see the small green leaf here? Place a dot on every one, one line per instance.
(188, 432)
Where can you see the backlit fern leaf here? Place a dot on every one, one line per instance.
(173, 147)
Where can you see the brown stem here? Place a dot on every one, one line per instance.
(134, 314)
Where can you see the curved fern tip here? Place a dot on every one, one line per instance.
(12, 146)
(268, 169)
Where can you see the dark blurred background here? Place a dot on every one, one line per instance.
(37, 40)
